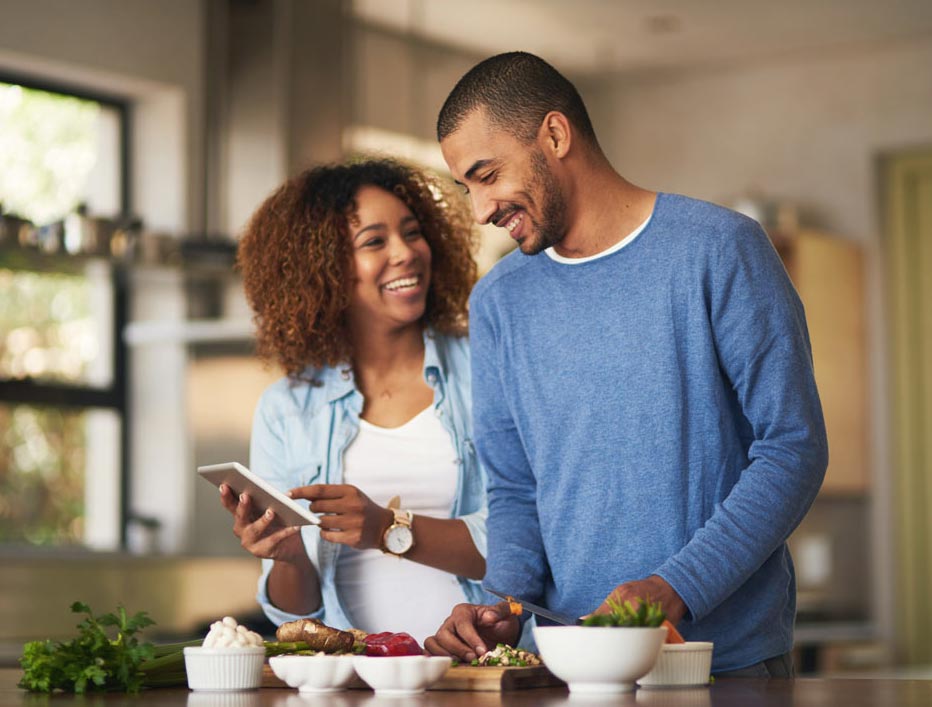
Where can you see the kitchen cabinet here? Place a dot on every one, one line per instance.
(828, 272)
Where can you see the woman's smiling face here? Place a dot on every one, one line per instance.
(391, 262)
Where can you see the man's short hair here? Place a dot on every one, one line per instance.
(516, 90)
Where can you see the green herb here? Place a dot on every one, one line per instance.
(646, 613)
(93, 660)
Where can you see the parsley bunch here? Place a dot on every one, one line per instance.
(93, 660)
(646, 613)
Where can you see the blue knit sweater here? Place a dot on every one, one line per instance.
(652, 411)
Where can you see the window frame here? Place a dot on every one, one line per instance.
(116, 396)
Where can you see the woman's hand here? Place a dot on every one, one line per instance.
(259, 534)
(347, 515)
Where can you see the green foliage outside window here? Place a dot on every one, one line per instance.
(48, 149)
(48, 146)
(41, 475)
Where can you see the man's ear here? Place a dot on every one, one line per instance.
(556, 134)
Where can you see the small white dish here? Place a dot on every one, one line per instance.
(681, 665)
(401, 675)
(317, 674)
(599, 659)
(224, 668)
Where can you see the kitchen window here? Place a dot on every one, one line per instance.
(63, 397)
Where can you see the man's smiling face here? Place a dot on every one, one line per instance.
(509, 182)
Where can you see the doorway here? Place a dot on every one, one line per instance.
(907, 213)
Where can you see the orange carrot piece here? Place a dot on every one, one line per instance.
(673, 636)
(514, 607)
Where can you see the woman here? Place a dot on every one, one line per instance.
(359, 276)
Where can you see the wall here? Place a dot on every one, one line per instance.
(807, 129)
(285, 98)
(400, 82)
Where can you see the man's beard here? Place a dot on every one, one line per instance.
(552, 227)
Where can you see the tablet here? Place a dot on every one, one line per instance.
(263, 494)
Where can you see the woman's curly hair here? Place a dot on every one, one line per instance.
(297, 261)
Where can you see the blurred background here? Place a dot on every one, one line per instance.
(136, 137)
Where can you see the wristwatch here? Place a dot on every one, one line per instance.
(399, 536)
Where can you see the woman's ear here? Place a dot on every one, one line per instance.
(556, 134)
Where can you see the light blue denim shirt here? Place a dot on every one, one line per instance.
(300, 431)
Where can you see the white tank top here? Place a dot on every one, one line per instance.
(417, 462)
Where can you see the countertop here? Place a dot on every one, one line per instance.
(814, 692)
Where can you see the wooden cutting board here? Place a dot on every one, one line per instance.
(495, 678)
(490, 678)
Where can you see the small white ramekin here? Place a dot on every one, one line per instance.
(224, 668)
(681, 665)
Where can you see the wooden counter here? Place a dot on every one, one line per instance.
(724, 693)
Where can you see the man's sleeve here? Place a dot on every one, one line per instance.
(759, 330)
(516, 563)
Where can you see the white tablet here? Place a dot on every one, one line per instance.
(262, 493)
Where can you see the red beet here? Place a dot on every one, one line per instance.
(391, 644)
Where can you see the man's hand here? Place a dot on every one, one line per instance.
(469, 631)
(652, 588)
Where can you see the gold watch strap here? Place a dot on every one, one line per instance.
(404, 518)
(401, 517)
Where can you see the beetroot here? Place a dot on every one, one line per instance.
(391, 644)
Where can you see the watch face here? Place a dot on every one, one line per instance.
(399, 539)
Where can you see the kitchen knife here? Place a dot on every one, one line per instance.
(538, 610)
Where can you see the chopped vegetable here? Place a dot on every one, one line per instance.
(673, 636)
(506, 655)
(515, 607)
(647, 613)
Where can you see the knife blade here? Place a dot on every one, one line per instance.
(538, 610)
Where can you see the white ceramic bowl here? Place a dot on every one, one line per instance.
(224, 668)
(401, 675)
(599, 659)
(319, 673)
(681, 665)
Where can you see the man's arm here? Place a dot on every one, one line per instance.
(516, 562)
(759, 330)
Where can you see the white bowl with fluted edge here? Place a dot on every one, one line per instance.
(681, 665)
(401, 675)
(599, 659)
(224, 668)
(320, 673)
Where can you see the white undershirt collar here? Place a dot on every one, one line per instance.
(608, 251)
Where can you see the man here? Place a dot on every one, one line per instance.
(644, 400)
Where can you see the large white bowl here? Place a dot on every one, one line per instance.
(401, 675)
(599, 659)
(319, 673)
(681, 665)
(224, 668)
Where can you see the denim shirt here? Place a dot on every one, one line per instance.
(301, 429)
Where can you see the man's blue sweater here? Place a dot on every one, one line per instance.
(652, 411)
